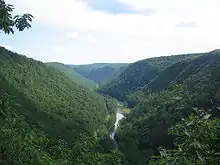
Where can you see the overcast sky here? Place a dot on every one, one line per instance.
(88, 31)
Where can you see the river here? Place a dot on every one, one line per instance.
(119, 116)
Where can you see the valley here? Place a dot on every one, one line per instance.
(100, 73)
(109, 82)
(50, 114)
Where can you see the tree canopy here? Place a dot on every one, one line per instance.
(196, 140)
(47, 118)
(139, 74)
(161, 97)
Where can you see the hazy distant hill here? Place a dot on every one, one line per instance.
(140, 73)
(73, 75)
(100, 73)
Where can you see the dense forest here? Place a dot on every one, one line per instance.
(50, 115)
(55, 114)
(47, 118)
(139, 74)
(164, 92)
(100, 73)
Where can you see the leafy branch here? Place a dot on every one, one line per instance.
(8, 22)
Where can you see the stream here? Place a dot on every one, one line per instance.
(119, 116)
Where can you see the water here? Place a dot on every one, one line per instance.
(119, 116)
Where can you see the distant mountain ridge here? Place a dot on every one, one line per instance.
(100, 73)
(140, 73)
(72, 74)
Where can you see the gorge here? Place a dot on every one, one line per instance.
(50, 115)
(102, 82)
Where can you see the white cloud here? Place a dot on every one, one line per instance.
(7, 46)
(171, 4)
(187, 25)
(57, 49)
(72, 35)
(130, 37)
(92, 39)
(82, 37)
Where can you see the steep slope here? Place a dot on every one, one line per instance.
(100, 73)
(49, 97)
(46, 118)
(170, 96)
(73, 75)
(185, 72)
(139, 74)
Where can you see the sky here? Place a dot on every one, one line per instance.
(94, 31)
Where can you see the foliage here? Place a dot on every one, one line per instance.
(8, 22)
(145, 128)
(46, 118)
(50, 98)
(24, 143)
(196, 140)
(164, 101)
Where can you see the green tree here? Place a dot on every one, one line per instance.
(197, 142)
(9, 22)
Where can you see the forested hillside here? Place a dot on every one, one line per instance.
(169, 96)
(100, 73)
(73, 75)
(139, 74)
(46, 118)
(157, 111)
